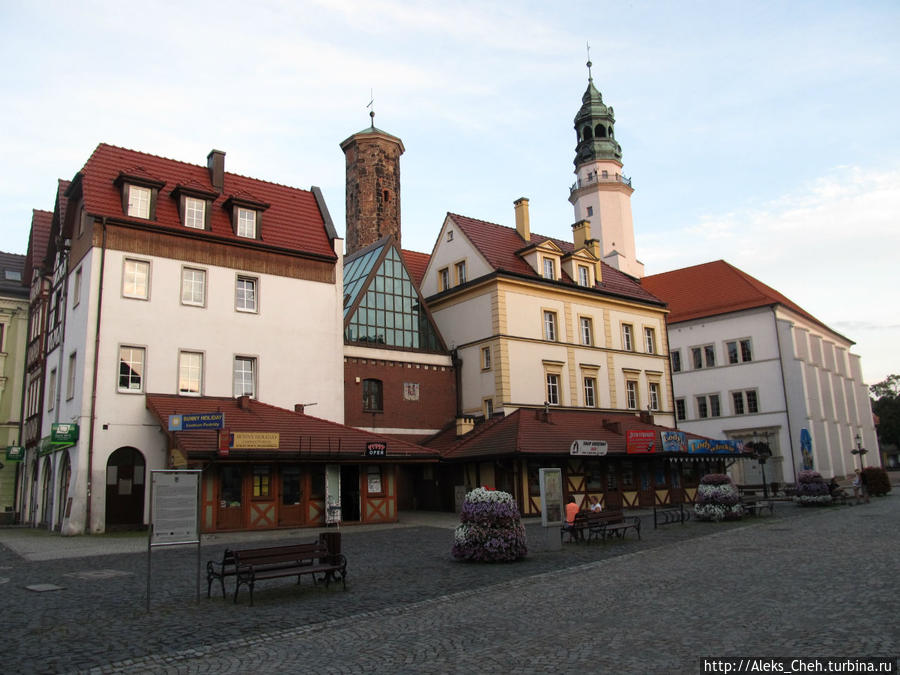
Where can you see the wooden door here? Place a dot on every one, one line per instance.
(290, 508)
(230, 512)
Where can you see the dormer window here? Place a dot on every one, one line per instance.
(194, 205)
(584, 276)
(139, 193)
(246, 223)
(195, 213)
(549, 268)
(138, 201)
(246, 215)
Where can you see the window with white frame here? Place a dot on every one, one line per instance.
(627, 337)
(190, 373)
(590, 392)
(246, 223)
(680, 409)
(654, 395)
(631, 394)
(549, 268)
(485, 358)
(444, 279)
(195, 213)
(461, 272)
(550, 326)
(584, 276)
(139, 201)
(246, 294)
(552, 388)
(703, 357)
(193, 286)
(136, 279)
(745, 402)
(131, 369)
(244, 376)
(650, 340)
(70, 378)
(587, 331)
(675, 354)
(739, 351)
(488, 408)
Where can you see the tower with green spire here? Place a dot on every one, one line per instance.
(601, 194)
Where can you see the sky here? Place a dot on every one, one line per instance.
(762, 133)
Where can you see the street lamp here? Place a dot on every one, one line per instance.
(859, 450)
(762, 452)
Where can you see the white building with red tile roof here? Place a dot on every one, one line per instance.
(752, 365)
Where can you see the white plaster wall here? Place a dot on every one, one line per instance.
(525, 316)
(464, 322)
(447, 254)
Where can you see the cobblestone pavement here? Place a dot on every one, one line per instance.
(806, 582)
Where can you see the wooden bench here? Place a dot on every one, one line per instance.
(755, 506)
(672, 513)
(255, 564)
(605, 524)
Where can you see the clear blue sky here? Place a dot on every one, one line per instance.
(763, 133)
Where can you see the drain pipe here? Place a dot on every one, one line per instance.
(90, 466)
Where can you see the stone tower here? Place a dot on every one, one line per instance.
(373, 186)
(601, 193)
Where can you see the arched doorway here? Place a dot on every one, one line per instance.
(46, 493)
(125, 481)
(62, 501)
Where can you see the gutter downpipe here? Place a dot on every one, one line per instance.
(785, 394)
(90, 467)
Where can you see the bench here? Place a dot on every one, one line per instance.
(605, 524)
(673, 513)
(255, 564)
(755, 506)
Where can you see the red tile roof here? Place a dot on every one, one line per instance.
(416, 263)
(300, 436)
(715, 288)
(498, 244)
(37, 242)
(292, 221)
(529, 431)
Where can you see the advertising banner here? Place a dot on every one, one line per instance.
(700, 446)
(589, 448)
(197, 421)
(673, 441)
(640, 441)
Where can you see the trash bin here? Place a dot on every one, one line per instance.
(333, 541)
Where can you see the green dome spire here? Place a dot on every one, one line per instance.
(594, 127)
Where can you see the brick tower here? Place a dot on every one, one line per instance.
(373, 186)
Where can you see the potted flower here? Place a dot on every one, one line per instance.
(717, 499)
(812, 490)
(490, 528)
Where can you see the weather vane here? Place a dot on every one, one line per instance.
(372, 106)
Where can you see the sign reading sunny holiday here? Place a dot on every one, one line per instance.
(197, 421)
(640, 441)
(589, 448)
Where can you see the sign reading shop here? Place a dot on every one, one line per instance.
(376, 449)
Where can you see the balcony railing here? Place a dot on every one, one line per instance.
(593, 178)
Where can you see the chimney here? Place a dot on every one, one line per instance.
(464, 425)
(215, 162)
(646, 417)
(581, 234)
(244, 402)
(523, 226)
(299, 407)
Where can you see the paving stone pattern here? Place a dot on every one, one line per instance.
(806, 582)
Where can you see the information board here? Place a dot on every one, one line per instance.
(174, 507)
(551, 497)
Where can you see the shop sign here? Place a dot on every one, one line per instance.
(640, 441)
(673, 441)
(224, 442)
(197, 421)
(15, 453)
(376, 449)
(590, 448)
(256, 440)
(64, 433)
(705, 446)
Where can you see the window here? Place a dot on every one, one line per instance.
(550, 326)
(131, 369)
(195, 213)
(702, 407)
(650, 340)
(244, 376)
(262, 481)
(444, 279)
(739, 351)
(676, 361)
(461, 272)
(627, 337)
(654, 396)
(190, 373)
(245, 294)
(449, 235)
(372, 395)
(587, 331)
(715, 410)
(138, 201)
(485, 358)
(549, 268)
(193, 287)
(76, 288)
(680, 412)
(631, 395)
(373, 479)
(488, 408)
(246, 223)
(70, 381)
(745, 402)
(136, 279)
(590, 392)
(584, 277)
(703, 357)
(708, 406)
(590, 211)
(552, 388)
(51, 390)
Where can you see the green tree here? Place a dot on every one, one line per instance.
(886, 404)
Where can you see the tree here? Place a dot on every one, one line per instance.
(886, 404)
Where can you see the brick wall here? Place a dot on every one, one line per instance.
(373, 191)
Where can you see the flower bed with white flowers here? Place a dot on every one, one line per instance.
(812, 490)
(490, 529)
(718, 499)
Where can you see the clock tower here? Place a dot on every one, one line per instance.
(601, 193)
